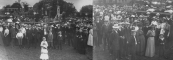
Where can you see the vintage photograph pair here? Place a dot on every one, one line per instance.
(86, 29)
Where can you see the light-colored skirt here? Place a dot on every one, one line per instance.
(150, 49)
(90, 40)
(44, 54)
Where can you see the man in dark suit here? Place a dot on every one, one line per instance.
(105, 34)
(132, 45)
(114, 43)
(28, 36)
(13, 35)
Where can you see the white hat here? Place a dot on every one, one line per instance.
(17, 22)
(52, 26)
(115, 26)
(57, 24)
(136, 21)
(135, 29)
(132, 15)
(158, 14)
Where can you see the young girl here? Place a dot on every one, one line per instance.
(44, 51)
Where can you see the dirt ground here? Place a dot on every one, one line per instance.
(100, 54)
(14, 53)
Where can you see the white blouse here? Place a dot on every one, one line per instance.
(6, 32)
(1, 29)
(19, 35)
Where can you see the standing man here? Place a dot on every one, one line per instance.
(114, 36)
(29, 36)
(105, 32)
(13, 35)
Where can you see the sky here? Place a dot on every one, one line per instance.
(77, 3)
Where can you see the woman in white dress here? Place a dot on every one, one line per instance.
(90, 43)
(150, 49)
(90, 38)
(19, 37)
(44, 51)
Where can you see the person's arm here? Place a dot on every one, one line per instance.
(91, 32)
(46, 44)
(148, 32)
(17, 35)
(41, 44)
(168, 31)
(52, 36)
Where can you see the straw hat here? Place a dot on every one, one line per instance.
(115, 26)
(157, 14)
(135, 29)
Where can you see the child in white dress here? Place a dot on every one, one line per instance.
(44, 51)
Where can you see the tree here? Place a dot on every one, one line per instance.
(16, 5)
(25, 5)
(51, 7)
(7, 6)
(87, 10)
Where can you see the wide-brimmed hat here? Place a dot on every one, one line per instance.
(115, 26)
(135, 29)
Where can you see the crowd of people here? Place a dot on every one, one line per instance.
(126, 33)
(74, 32)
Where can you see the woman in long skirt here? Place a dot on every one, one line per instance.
(150, 49)
(90, 38)
(141, 41)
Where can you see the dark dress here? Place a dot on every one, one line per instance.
(81, 44)
(141, 42)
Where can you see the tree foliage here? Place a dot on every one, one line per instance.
(51, 7)
(26, 6)
(87, 10)
(16, 5)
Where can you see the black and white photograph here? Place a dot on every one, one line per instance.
(46, 30)
(133, 29)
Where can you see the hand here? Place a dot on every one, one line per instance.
(168, 35)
